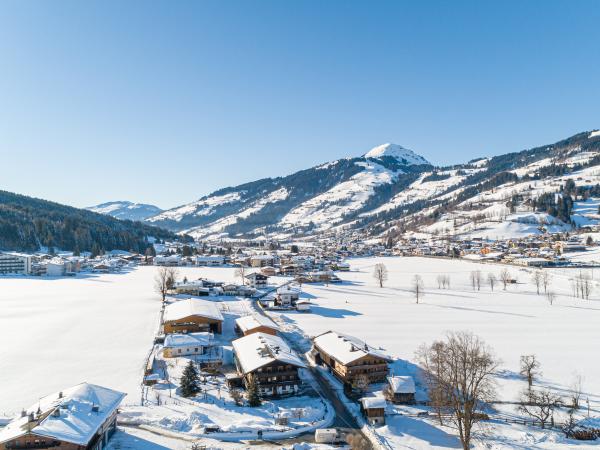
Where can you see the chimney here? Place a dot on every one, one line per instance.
(56, 412)
(23, 413)
(60, 394)
(95, 408)
(31, 418)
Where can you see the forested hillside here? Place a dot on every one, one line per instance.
(28, 223)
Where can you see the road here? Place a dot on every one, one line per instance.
(343, 417)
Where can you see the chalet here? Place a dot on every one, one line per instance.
(257, 280)
(192, 316)
(349, 357)
(209, 260)
(237, 290)
(262, 260)
(289, 270)
(373, 408)
(271, 361)
(195, 287)
(83, 417)
(303, 305)
(187, 344)
(167, 260)
(323, 276)
(287, 296)
(256, 324)
(200, 346)
(268, 271)
(401, 389)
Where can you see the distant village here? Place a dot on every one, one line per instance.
(313, 261)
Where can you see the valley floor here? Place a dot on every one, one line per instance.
(99, 329)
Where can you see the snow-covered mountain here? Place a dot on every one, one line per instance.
(391, 189)
(125, 210)
(312, 200)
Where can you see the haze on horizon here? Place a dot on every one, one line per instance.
(162, 103)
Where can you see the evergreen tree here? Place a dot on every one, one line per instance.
(189, 381)
(253, 394)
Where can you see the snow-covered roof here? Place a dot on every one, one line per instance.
(69, 416)
(288, 290)
(373, 402)
(192, 307)
(344, 348)
(402, 384)
(190, 339)
(247, 323)
(259, 349)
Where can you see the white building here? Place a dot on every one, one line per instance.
(15, 263)
(287, 296)
(56, 267)
(194, 344)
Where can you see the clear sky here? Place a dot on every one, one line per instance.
(163, 102)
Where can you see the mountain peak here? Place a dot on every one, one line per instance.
(397, 152)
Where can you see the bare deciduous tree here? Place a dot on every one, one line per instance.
(576, 391)
(539, 404)
(240, 272)
(446, 282)
(380, 273)
(237, 396)
(536, 277)
(472, 278)
(530, 368)
(461, 372)
(476, 279)
(417, 287)
(505, 277)
(440, 281)
(586, 285)
(161, 282)
(551, 296)
(546, 280)
(491, 280)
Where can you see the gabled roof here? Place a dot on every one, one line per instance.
(373, 402)
(259, 349)
(345, 348)
(251, 322)
(70, 417)
(402, 385)
(192, 307)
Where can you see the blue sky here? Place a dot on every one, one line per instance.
(163, 102)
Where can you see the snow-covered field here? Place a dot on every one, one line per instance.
(59, 332)
(514, 322)
(62, 331)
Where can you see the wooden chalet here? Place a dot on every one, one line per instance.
(191, 316)
(268, 358)
(348, 357)
(83, 417)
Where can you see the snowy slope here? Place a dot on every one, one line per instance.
(392, 188)
(329, 208)
(126, 210)
(311, 200)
